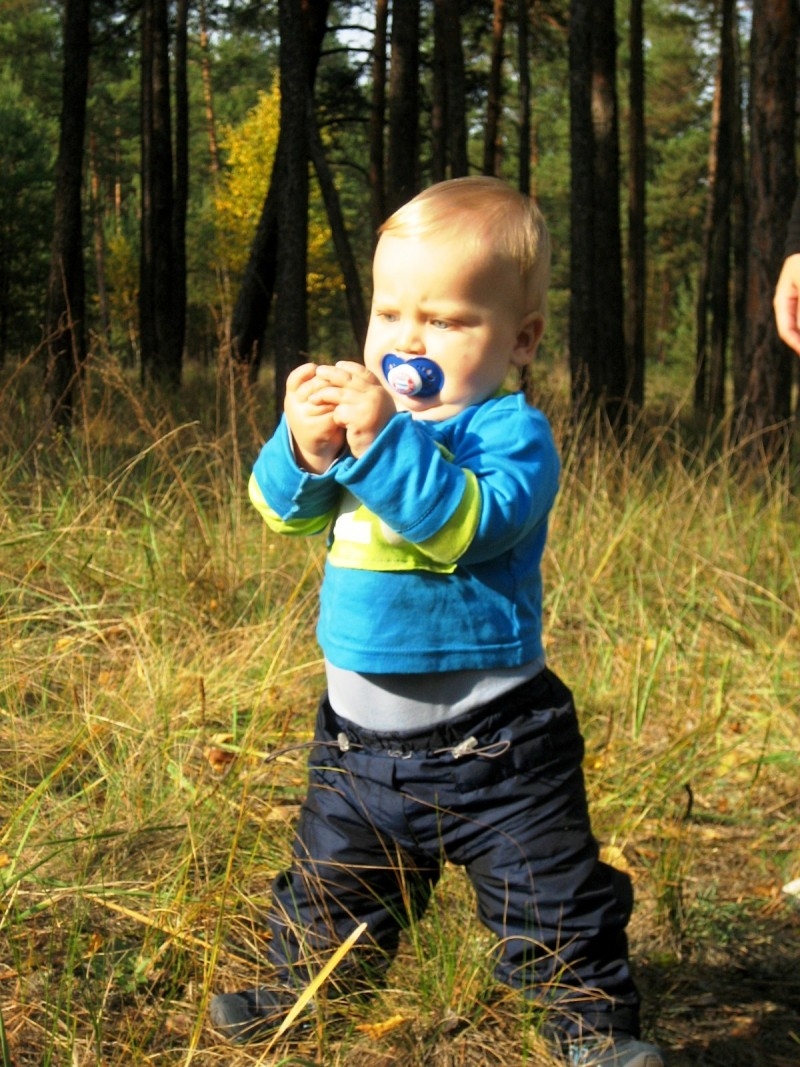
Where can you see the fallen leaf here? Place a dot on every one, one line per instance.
(218, 754)
(95, 944)
(614, 857)
(376, 1030)
(219, 759)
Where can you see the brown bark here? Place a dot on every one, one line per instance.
(448, 121)
(344, 252)
(252, 307)
(291, 321)
(402, 172)
(377, 161)
(713, 303)
(597, 348)
(66, 329)
(523, 63)
(492, 148)
(766, 400)
(161, 347)
(208, 96)
(636, 303)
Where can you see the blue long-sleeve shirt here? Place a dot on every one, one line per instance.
(436, 538)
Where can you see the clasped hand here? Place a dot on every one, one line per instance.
(329, 406)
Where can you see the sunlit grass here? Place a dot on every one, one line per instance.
(158, 681)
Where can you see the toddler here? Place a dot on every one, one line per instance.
(443, 735)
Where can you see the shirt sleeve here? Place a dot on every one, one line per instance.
(466, 498)
(291, 500)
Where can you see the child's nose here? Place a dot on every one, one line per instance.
(410, 339)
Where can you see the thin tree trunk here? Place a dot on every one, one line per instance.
(223, 275)
(523, 63)
(721, 255)
(766, 411)
(492, 149)
(291, 320)
(448, 120)
(252, 307)
(377, 116)
(208, 95)
(347, 261)
(704, 274)
(597, 344)
(738, 231)
(159, 314)
(66, 329)
(439, 96)
(181, 200)
(99, 241)
(403, 104)
(636, 305)
(610, 307)
(581, 214)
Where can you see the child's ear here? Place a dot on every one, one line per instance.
(528, 338)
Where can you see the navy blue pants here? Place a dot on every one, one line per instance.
(384, 812)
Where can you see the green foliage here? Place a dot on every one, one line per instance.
(29, 44)
(25, 212)
(678, 103)
(241, 59)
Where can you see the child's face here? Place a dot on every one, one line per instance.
(464, 311)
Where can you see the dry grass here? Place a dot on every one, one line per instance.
(158, 677)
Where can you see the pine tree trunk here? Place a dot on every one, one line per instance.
(492, 149)
(377, 116)
(341, 241)
(291, 322)
(766, 401)
(181, 198)
(252, 307)
(523, 63)
(597, 344)
(403, 105)
(636, 304)
(158, 313)
(721, 249)
(66, 328)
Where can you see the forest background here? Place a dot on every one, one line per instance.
(659, 139)
(189, 194)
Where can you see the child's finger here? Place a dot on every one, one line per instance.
(300, 375)
(358, 371)
(335, 375)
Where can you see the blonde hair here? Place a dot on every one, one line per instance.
(483, 211)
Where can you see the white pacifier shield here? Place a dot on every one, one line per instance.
(419, 376)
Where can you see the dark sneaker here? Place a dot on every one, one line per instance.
(613, 1052)
(253, 1014)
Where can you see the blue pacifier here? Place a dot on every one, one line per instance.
(413, 377)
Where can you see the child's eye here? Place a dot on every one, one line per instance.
(440, 324)
(386, 316)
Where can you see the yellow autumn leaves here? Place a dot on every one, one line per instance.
(222, 223)
(249, 150)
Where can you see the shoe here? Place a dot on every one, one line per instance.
(613, 1052)
(253, 1013)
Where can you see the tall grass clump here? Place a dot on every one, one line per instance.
(158, 679)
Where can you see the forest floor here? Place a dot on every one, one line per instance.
(156, 644)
